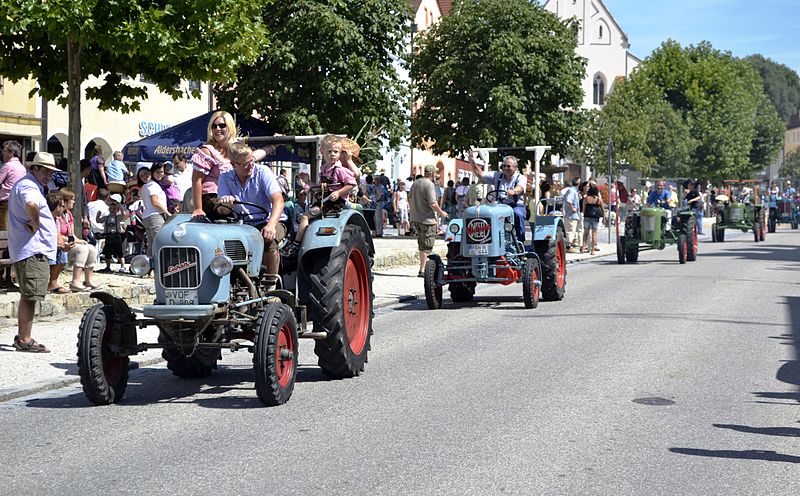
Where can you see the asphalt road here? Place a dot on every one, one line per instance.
(655, 378)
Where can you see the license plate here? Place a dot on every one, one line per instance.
(180, 296)
(477, 249)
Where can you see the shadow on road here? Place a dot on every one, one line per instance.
(789, 372)
(769, 253)
(770, 456)
(765, 431)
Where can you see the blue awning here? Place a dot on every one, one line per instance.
(188, 135)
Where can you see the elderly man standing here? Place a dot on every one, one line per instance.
(512, 183)
(32, 242)
(572, 214)
(424, 207)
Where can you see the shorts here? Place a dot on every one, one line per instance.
(426, 236)
(591, 224)
(280, 235)
(33, 275)
(113, 245)
(61, 258)
(402, 215)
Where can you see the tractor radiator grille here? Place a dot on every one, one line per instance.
(234, 249)
(180, 267)
(648, 224)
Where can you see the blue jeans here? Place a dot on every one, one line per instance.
(699, 215)
(519, 222)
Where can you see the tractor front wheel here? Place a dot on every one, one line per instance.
(691, 243)
(341, 304)
(553, 254)
(275, 355)
(530, 283)
(683, 247)
(104, 375)
(621, 250)
(773, 223)
(433, 290)
(757, 232)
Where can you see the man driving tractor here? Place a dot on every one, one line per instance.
(510, 181)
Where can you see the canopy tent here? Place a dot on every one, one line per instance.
(188, 135)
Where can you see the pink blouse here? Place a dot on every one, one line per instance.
(211, 167)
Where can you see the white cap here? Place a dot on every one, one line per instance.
(116, 197)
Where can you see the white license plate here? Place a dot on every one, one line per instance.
(477, 249)
(180, 296)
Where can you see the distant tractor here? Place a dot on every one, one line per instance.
(741, 212)
(781, 211)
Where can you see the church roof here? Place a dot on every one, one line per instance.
(444, 5)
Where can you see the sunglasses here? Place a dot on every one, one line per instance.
(219, 126)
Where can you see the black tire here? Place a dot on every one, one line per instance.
(553, 254)
(721, 235)
(621, 250)
(757, 231)
(530, 275)
(343, 276)
(632, 253)
(763, 232)
(683, 247)
(275, 354)
(794, 225)
(691, 247)
(714, 233)
(433, 291)
(461, 292)
(772, 223)
(104, 377)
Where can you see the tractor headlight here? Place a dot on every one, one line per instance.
(140, 265)
(454, 228)
(221, 265)
(508, 227)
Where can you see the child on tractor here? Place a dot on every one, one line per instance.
(340, 174)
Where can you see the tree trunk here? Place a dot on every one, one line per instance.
(74, 79)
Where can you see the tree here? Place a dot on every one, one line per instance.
(329, 66)
(497, 73)
(791, 165)
(63, 42)
(781, 83)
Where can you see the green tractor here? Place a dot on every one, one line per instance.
(653, 228)
(740, 211)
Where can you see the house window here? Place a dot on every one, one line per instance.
(194, 85)
(599, 97)
(600, 33)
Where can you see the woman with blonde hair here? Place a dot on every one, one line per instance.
(211, 159)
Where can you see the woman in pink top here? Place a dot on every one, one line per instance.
(211, 159)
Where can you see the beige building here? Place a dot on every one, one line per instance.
(19, 116)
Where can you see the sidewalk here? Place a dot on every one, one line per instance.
(22, 374)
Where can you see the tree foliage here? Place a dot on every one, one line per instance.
(164, 41)
(497, 73)
(781, 83)
(329, 66)
(791, 165)
(693, 111)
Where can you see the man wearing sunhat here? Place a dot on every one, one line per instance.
(31, 243)
(424, 207)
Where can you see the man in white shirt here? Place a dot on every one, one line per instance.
(92, 208)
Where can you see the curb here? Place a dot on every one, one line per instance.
(51, 384)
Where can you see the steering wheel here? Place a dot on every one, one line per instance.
(496, 195)
(232, 216)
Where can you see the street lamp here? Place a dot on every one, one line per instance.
(411, 110)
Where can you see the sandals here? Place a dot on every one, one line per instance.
(92, 286)
(77, 288)
(30, 347)
(59, 290)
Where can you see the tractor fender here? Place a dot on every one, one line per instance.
(449, 237)
(327, 232)
(124, 327)
(440, 266)
(546, 227)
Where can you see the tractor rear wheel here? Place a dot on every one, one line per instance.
(757, 232)
(773, 223)
(691, 248)
(433, 290)
(275, 354)
(104, 375)
(530, 283)
(621, 250)
(553, 254)
(461, 292)
(683, 247)
(340, 303)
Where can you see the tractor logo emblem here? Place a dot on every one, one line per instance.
(174, 269)
(479, 231)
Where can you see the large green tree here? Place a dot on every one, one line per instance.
(497, 73)
(61, 43)
(781, 83)
(330, 66)
(693, 111)
(791, 165)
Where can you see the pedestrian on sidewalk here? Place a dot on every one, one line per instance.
(401, 208)
(32, 243)
(572, 214)
(424, 207)
(592, 213)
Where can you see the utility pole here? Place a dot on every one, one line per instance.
(610, 178)
(411, 110)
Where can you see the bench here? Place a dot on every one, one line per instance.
(4, 262)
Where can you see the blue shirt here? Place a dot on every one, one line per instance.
(22, 243)
(258, 189)
(574, 200)
(115, 171)
(658, 200)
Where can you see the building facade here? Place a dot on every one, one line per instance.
(19, 117)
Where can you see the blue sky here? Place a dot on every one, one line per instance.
(743, 27)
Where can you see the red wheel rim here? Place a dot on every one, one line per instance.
(284, 355)
(561, 271)
(112, 366)
(534, 286)
(356, 301)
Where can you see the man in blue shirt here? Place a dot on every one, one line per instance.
(255, 183)
(572, 208)
(660, 197)
(32, 239)
(510, 181)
